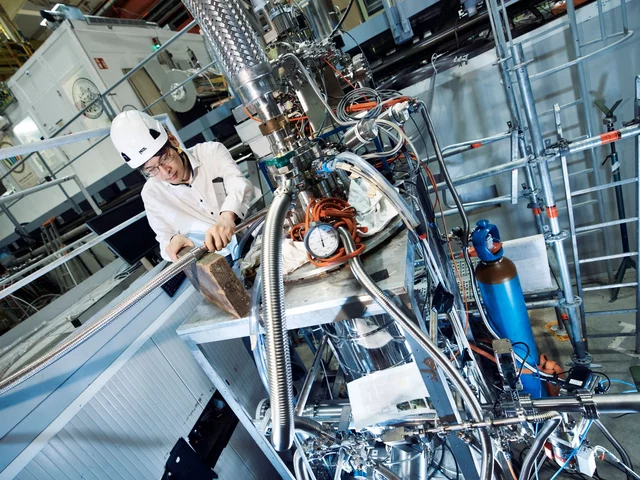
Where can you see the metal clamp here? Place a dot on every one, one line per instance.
(588, 404)
(558, 237)
(577, 301)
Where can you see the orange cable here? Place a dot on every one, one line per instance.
(338, 213)
(338, 72)
(453, 257)
(246, 110)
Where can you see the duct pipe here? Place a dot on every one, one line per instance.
(278, 357)
(239, 53)
(425, 342)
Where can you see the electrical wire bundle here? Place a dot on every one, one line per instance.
(338, 213)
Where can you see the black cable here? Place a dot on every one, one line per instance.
(439, 466)
(424, 141)
(524, 359)
(623, 415)
(344, 17)
(605, 376)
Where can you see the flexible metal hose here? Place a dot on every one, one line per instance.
(441, 360)
(226, 26)
(624, 456)
(299, 467)
(278, 356)
(551, 424)
(105, 319)
(313, 428)
(254, 320)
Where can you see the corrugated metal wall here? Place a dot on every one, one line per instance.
(128, 428)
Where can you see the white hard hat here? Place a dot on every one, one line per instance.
(137, 137)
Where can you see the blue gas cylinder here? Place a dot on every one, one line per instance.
(502, 295)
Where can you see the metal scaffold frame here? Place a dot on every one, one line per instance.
(511, 60)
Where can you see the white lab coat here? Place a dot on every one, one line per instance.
(217, 185)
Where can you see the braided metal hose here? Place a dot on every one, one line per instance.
(226, 26)
(278, 357)
(105, 319)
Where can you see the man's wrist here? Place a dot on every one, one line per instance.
(229, 215)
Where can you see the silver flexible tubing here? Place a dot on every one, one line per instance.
(471, 402)
(103, 321)
(108, 317)
(278, 356)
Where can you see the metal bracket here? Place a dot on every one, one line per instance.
(399, 22)
(589, 406)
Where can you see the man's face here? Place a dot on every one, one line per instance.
(166, 166)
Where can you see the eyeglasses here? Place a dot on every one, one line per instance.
(165, 159)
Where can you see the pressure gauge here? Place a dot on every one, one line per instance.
(322, 240)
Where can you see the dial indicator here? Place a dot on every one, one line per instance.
(322, 240)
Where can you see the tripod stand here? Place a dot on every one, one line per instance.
(627, 262)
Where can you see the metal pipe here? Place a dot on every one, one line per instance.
(299, 467)
(528, 102)
(54, 255)
(578, 61)
(522, 75)
(28, 148)
(386, 472)
(41, 159)
(636, 111)
(278, 355)
(37, 188)
(311, 375)
(100, 323)
(425, 342)
(313, 428)
(44, 270)
(87, 196)
(619, 448)
(254, 321)
(607, 404)
(538, 444)
(588, 143)
(587, 115)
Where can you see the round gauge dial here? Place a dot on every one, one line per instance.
(322, 240)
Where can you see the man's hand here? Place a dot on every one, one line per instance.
(219, 236)
(177, 243)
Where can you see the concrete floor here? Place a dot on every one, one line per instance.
(614, 355)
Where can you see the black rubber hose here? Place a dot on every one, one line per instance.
(344, 17)
(624, 456)
(538, 445)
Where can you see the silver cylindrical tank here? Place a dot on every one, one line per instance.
(366, 345)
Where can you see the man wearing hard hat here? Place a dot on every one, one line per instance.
(192, 196)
